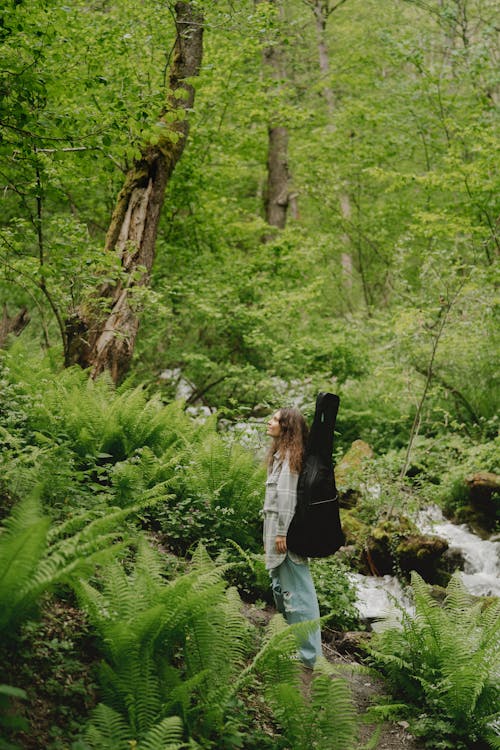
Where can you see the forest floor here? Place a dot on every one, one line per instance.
(366, 689)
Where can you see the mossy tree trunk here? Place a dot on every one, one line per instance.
(106, 341)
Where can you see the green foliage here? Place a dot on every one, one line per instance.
(35, 557)
(171, 648)
(109, 731)
(324, 718)
(336, 593)
(96, 420)
(52, 658)
(392, 149)
(9, 720)
(183, 648)
(85, 440)
(445, 662)
(217, 497)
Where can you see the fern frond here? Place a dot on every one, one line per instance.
(333, 714)
(446, 658)
(274, 660)
(457, 600)
(166, 735)
(23, 542)
(291, 712)
(108, 730)
(182, 695)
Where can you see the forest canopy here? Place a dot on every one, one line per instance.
(380, 119)
(210, 210)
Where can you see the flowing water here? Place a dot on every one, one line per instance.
(381, 597)
(481, 573)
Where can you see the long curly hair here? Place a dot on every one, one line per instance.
(291, 442)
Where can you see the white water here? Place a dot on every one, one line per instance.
(481, 574)
(381, 597)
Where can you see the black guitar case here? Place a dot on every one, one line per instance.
(315, 530)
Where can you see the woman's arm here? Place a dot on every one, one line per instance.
(287, 500)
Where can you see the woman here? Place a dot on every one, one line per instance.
(292, 585)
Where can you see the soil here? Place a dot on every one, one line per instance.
(366, 688)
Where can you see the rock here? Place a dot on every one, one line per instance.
(352, 642)
(483, 510)
(352, 461)
(453, 559)
(482, 483)
(354, 529)
(422, 554)
(395, 545)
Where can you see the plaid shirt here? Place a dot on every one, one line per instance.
(279, 507)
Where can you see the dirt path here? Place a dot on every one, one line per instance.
(365, 688)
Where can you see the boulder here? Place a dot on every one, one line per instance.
(396, 546)
(483, 509)
(422, 554)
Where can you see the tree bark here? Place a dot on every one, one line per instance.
(106, 341)
(277, 197)
(14, 324)
(321, 12)
(278, 176)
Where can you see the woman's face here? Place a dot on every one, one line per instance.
(273, 426)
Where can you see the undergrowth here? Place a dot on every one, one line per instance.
(445, 664)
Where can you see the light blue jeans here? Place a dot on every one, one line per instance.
(295, 598)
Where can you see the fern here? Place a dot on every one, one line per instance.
(182, 647)
(23, 542)
(326, 718)
(108, 730)
(35, 557)
(334, 723)
(166, 735)
(146, 623)
(447, 659)
(226, 478)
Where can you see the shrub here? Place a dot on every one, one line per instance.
(217, 497)
(336, 593)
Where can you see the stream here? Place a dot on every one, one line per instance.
(376, 597)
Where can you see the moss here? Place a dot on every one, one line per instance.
(354, 529)
(395, 546)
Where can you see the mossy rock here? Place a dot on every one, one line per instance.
(423, 554)
(396, 546)
(475, 501)
(354, 529)
(390, 527)
(483, 509)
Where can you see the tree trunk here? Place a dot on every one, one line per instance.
(321, 12)
(322, 9)
(277, 197)
(14, 324)
(106, 341)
